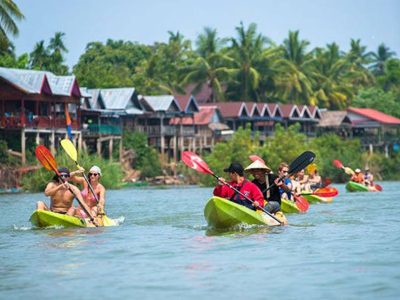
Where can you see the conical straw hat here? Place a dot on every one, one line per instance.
(257, 165)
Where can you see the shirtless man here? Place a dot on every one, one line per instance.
(60, 194)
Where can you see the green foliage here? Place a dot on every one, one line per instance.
(382, 167)
(147, 160)
(376, 98)
(111, 172)
(5, 157)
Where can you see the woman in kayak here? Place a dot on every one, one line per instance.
(236, 174)
(357, 177)
(97, 208)
(269, 184)
(315, 180)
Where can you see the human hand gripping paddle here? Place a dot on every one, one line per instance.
(70, 149)
(195, 162)
(298, 164)
(49, 163)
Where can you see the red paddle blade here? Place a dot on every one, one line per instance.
(46, 158)
(326, 192)
(378, 187)
(195, 162)
(302, 203)
(337, 163)
(254, 157)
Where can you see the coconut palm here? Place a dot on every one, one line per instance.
(39, 57)
(359, 58)
(209, 67)
(9, 13)
(246, 52)
(295, 86)
(379, 58)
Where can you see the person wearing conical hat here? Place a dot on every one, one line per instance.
(244, 186)
(269, 184)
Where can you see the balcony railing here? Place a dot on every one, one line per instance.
(103, 129)
(39, 122)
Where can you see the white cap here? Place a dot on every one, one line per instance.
(357, 170)
(95, 169)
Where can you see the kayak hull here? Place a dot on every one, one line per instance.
(317, 199)
(44, 218)
(223, 213)
(356, 187)
(289, 207)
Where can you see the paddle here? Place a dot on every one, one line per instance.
(338, 164)
(301, 203)
(378, 187)
(70, 149)
(49, 163)
(298, 164)
(195, 162)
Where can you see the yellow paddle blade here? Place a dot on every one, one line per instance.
(108, 222)
(70, 149)
(348, 171)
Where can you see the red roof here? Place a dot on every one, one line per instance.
(231, 109)
(203, 117)
(288, 110)
(375, 115)
(203, 95)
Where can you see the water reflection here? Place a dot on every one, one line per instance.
(241, 230)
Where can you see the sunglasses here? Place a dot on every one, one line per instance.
(93, 174)
(64, 175)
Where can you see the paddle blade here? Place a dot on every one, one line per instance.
(326, 192)
(254, 157)
(348, 171)
(337, 163)
(378, 187)
(301, 203)
(195, 162)
(46, 158)
(326, 182)
(301, 162)
(70, 149)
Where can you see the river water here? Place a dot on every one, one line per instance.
(349, 249)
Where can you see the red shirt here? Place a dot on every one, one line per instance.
(247, 188)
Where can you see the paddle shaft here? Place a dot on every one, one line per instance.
(62, 181)
(247, 198)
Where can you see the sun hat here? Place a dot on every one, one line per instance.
(258, 165)
(95, 169)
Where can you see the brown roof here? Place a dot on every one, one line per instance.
(288, 110)
(333, 118)
(232, 109)
(203, 117)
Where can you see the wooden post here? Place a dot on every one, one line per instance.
(386, 151)
(98, 147)
(162, 137)
(53, 141)
(80, 141)
(37, 140)
(120, 150)
(23, 145)
(110, 148)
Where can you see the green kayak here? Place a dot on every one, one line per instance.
(223, 213)
(356, 187)
(288, 206)
(311, 198)
(44, 218)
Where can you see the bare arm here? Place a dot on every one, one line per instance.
(52, 188)
(102, 199)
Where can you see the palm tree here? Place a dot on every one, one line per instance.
(9, 12)
(295, 86)
(39, 57)
(57, 44)
(246, 51)
(359, 58)
(208, 67)
(379, 58)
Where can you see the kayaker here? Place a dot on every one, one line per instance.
(61, 197)
(303, 180)
(94, 178)
(357, 177)
(283, 171)
(368, 177)
(315, 180)
(263, 179)
(239, 182)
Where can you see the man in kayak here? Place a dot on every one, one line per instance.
(61, 194)
(357, 177)
(236, 174)
(283, 171)
(269, 184)
(368, 178)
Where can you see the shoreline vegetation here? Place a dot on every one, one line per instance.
(146, 169)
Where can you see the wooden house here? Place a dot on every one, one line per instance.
(34, 105)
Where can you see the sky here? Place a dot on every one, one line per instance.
(319, 21)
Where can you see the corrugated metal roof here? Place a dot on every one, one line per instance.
(118, 98)
(375, 115)
(161, 103)
(95, 100)
(133, 111)
(32, 81)
(26, 80)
